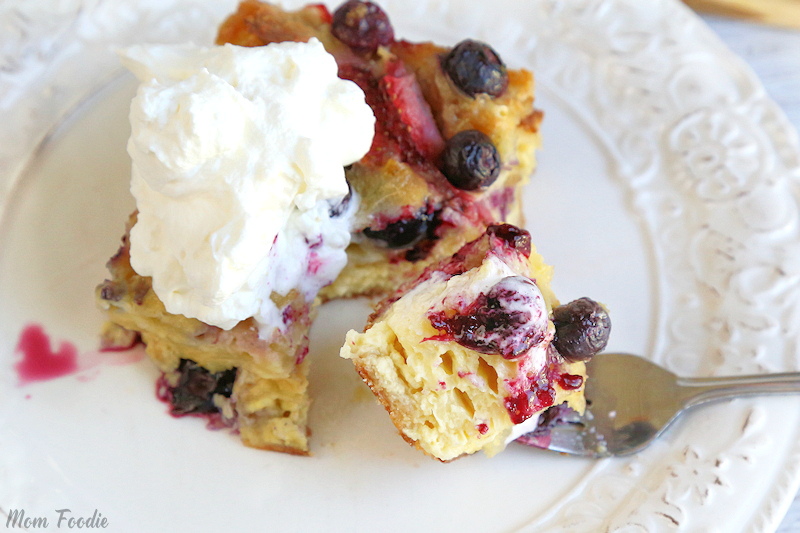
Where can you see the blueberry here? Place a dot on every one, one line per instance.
(225, 381)
(582, 329)
(470, 160)
(508, 320)
(517, 238)
(196, 388)
(476, 68)
(362, 25)
(402, 233)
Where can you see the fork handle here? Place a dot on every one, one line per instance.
(695, 391)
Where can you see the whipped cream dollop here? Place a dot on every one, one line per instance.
(237, 172)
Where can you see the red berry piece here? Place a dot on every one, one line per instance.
(519, 406)
(470, 160)
(570, 381)
(582, 329)
(362, 26)
(405, 127)
(476, 68)
(517, 238)
(414, 117)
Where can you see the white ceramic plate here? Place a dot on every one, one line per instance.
(667, 189)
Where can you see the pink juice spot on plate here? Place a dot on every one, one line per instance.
(39, 361)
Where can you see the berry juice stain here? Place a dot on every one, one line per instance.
(39, 361)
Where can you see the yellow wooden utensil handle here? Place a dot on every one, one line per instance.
(778, 12)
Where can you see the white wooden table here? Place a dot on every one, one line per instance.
(774, 54)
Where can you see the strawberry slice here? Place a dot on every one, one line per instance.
(404, 96)
(405, 128)
(324, 13)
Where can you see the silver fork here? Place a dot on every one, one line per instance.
(631, 401)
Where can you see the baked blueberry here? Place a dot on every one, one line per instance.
(470, 160)
(362, 25)
(196, 388)
(508, 320)
(476, 68)
(401, 233)
(582, 329)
